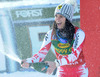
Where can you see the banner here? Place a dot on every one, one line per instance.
(90, 23)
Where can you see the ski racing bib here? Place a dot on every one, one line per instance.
(62, 48)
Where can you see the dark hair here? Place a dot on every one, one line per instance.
(69, 29)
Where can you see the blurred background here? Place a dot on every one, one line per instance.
(23, 25)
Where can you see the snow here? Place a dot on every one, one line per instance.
(31, 2)
(26, 74)
(26, 3)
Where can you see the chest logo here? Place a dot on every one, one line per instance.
(61, 45)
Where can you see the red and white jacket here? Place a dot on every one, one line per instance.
(74, 58)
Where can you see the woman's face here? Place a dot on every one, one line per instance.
(60, 21)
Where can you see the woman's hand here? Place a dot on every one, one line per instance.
(51, 67)
(24, 64)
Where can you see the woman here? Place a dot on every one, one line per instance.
(67, 41)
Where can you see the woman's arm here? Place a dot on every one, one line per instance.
(43, 50)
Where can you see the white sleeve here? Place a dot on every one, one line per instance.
(79, 38)
(43, 50)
